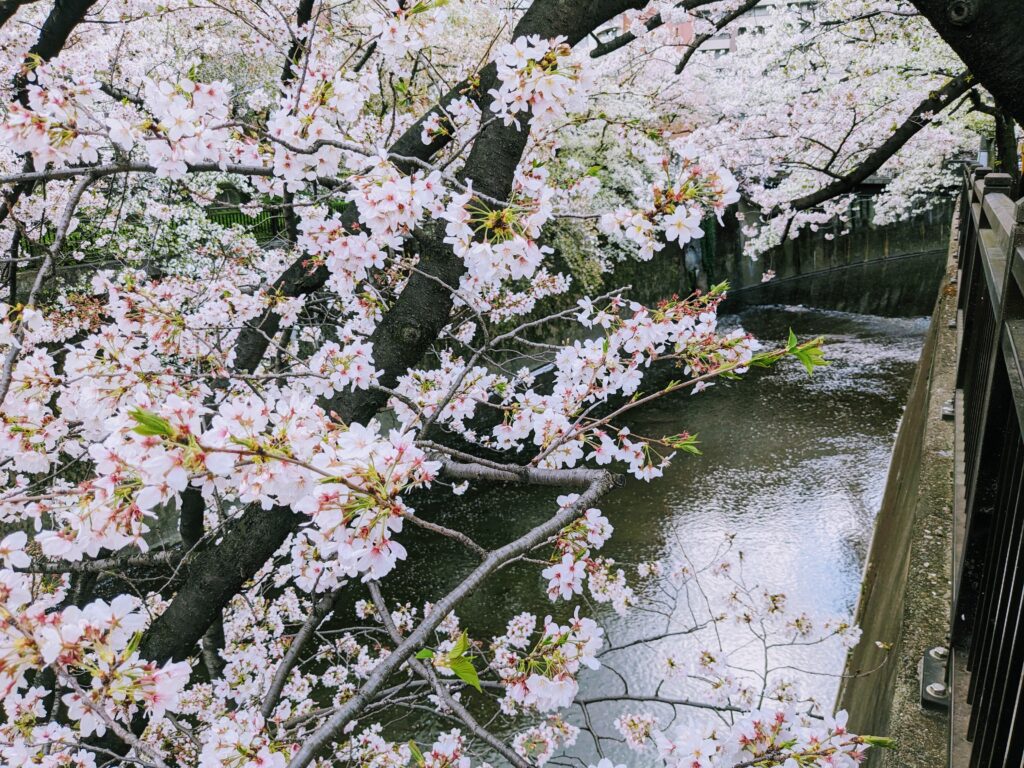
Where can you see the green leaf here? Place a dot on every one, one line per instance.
(426, 5)
(722, 287)
(460, 647)
(466, 672)
(791, 345)
(416, 754)
(684, 442)
(811, 354)
(883, 742)
(764, 359)
(426, 653)
(133, 644)
(151, 424)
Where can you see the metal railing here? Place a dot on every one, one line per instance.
(987, 721)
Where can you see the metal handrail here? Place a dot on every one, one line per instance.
(988, 579)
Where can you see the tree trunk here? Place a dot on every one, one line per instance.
(989, 36)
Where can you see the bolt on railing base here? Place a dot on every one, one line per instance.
(932, 671)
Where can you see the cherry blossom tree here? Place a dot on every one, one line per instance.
(281, 402)
(817, 99)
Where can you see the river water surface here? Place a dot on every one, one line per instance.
(794, 466)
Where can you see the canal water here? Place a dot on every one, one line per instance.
(794, 466)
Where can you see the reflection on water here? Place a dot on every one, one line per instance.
(795, 466)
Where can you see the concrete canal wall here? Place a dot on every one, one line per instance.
(906, 591)
(889, 270)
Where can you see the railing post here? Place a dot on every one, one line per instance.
(966, 190)
(1018, 221)
(978, 183)
(979, 173)
(1000, 185)
(1013, 292)
(997, 184)
(968, 230)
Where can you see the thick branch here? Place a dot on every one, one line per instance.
(10, 7)
(109, 169)
(64, 17)
(162, 558)
(989, 36)
(216, 574)
(610, 46)
(297, 51)
(918, 119)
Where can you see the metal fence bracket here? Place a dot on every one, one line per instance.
(932, 671)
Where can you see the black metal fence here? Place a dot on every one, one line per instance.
(987, 721)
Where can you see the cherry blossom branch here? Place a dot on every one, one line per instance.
(869, 15)
(44, 270)
(921, 116)
(527, 475)
(90, 747)
(109, 169)
(596, 482)
(490, 344)
(580, 427)
(383, 698)
(316, 617)
(619, 697)
(449, 533)
(610, 46)
(719, 25)
(468, 458)
(123, 733)
(399, 159)
(653, 639)
(807, 757)
(169, 557)
(428, 674)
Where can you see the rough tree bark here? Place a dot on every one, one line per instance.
(989, 36)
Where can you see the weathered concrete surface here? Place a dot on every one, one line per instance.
(882, 270)
(895, 286)
(866, 270)
(906, 591)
